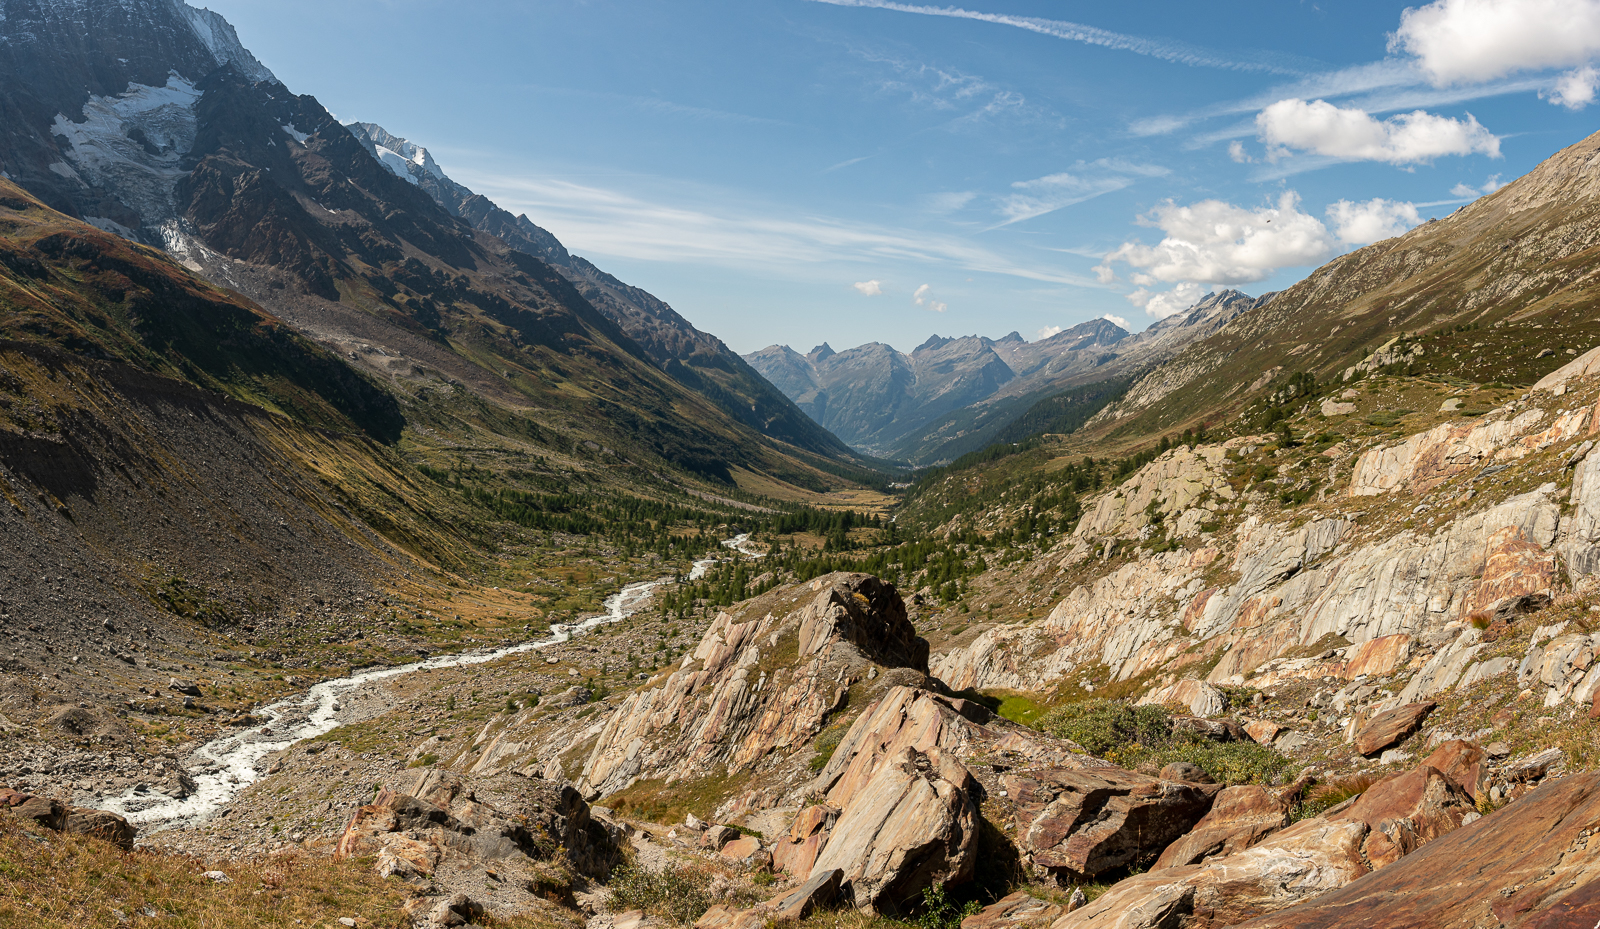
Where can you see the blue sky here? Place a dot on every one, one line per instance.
(799, 171)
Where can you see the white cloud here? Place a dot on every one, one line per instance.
(1213, 242)
(1238, 154)
(949, 201)
(1169, 302)
(1575, 89)
(1086, 181)
(604, 221)
(869, 288)
(1372, 220)
(1354, 135)
(924, 298)
(1115, 319)
(1490, 186)
(1458, 41)
(1049, 331)
(1166, 49)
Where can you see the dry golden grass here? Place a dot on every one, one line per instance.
(49, 880)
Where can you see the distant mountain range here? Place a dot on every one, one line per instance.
(952, 396)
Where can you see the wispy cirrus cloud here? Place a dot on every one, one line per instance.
(604, 221)
(1085, 181)
(1154, 47)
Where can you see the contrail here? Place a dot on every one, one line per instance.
(1164, 49)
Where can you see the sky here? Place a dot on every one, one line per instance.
(800, 171)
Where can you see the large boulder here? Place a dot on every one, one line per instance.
(896, 808)
(1528, 866)
(53, 814)
(1076, 824)
(759, 686)
(1312, 857)
(1239, 818)
(912, 824)
(444, 833)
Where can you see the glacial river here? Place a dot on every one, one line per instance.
(224, 767)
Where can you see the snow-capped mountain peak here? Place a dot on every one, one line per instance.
(406, 159)
(219, 38)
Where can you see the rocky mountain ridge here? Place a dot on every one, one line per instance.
(697, 359)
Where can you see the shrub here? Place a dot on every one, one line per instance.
(677, 893)
(940, 912)
(1143, 736)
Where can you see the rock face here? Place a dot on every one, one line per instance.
(1076, 825)
(1312, 857)
(1239, 818)
(1528, 865)
(1427, 459)
(1293, 587)
(1197, 697)
(754, 687)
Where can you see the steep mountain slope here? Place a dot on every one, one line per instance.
(954, 396)
(1495, 291)
(264, 192)
(696, 359)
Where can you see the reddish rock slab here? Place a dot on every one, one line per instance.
(796, 852)
(741, 848)
(1530, 865)
(1079, 824)
(1378, 656)
(1020, 910)
(1390, 728)
(1308, 859)
(1464, 763)
(1262, 731)
(1239, 818)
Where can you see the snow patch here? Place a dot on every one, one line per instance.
(395, 162)
(134, 143)
(65, 170)
(295, 134)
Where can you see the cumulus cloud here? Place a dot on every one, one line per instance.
(1214, 242)
(1372, 220)
(869, 288)
(1458, 41)
(924, 298)
(1169, 302)
(1574, 90)
(1109, 317)
(1238, 154)
(1085, 181)
(1466, 190)
(1049, 331)
(1353, 134)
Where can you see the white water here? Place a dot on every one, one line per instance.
(228, 765)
